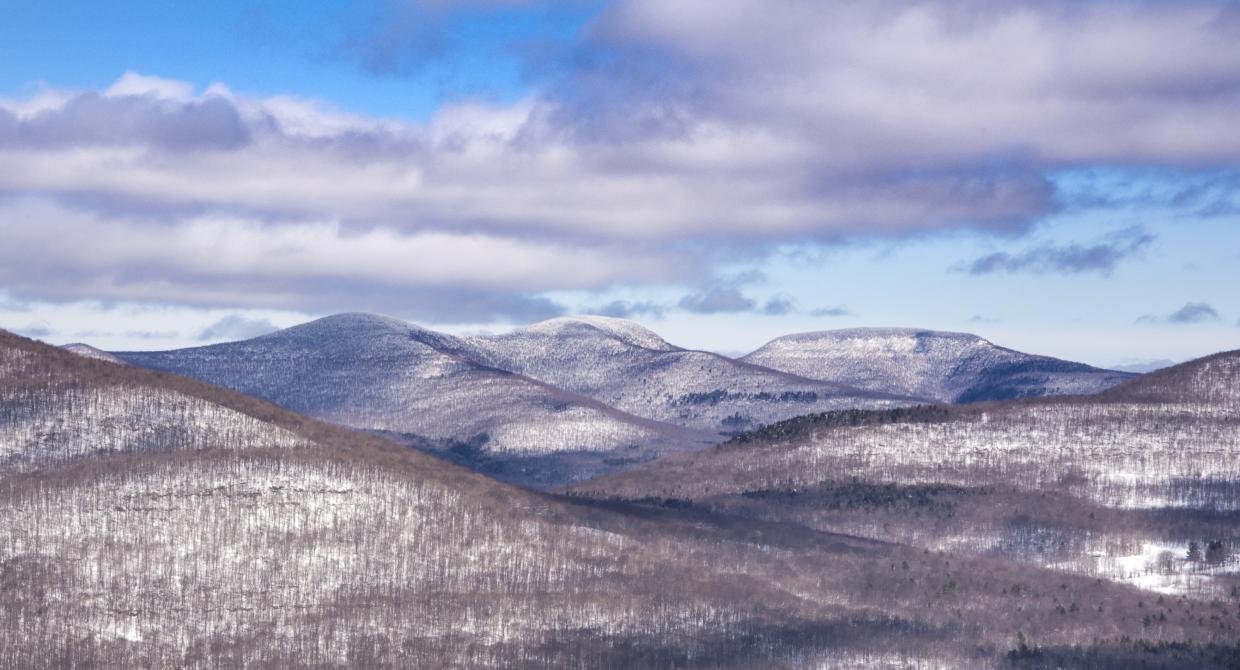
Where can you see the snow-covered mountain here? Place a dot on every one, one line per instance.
(942, 366)
(634, 370)
(240, 534)
(382, 374)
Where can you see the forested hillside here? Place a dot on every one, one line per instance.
(210, 548)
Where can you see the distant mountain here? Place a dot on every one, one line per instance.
(944, 367)
(1121, 484)
(628, 367)
(150, 520)
(91, 352)
(423, 387)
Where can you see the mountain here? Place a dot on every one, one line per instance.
(88, 351)
(944, 367)
(250, 536)
(558, 401)
(422, 387)
(1120, 485)
(628, 367)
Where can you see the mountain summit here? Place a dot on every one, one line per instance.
(942, 366)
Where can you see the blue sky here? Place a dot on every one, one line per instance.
(172, 175)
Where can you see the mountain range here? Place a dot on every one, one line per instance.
(153, 520)
(577, 397)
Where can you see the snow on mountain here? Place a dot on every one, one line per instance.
(632, 369)
(621, 330)
(88, 351)
(350, 551)
(946, 367)
(382, 374)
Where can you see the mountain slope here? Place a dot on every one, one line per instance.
(59, 406)
(385, 375)
(628, 367)
(945, 367)
(1119, 485)
(345, 550)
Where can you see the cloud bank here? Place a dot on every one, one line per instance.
(671, 135)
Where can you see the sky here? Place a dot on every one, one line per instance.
(1060, 177)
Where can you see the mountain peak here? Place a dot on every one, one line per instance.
(83, 349)
(623, 330)
(890, 335)
(944, 366)
(347, 322)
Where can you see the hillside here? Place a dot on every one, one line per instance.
(414, 384)
(939, 366)
(340, 549)
(1119, 485)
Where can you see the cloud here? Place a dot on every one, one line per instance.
(10, 304)
(36, 330)
(978, 318)
(1101, 257)
(237, 327)
(625, 309)
(94, 120)
(232, 261)
(779, 305)
(1193, 312)
(670, 137)
(152, 334)
(717, 300)
(831, 311)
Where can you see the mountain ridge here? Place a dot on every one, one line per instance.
(943, 366)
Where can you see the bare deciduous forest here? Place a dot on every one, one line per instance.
(154, 521)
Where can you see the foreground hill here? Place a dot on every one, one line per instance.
(943, 367)
(257, 538)
(632, 369)
(1123, 484)
(385, 375)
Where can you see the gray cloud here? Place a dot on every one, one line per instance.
(717, 300)
(978, 318)
(36, 330)
(10, 304)
(1101, 257)
(91, 119)
(1193, 312)
(236, 327)
(779, 305)
(625, 309)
